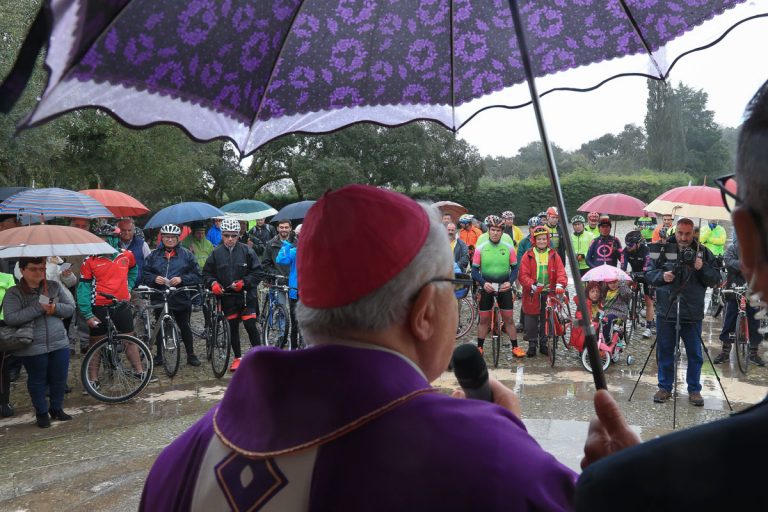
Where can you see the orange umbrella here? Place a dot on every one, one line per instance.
(119, 203)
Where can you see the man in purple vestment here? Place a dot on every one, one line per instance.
(352, 423)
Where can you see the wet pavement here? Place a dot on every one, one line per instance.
(100, 459)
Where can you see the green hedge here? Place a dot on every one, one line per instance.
(530, 196)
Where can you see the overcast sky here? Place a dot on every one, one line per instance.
(730, 72)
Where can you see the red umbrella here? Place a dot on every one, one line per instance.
(119, 203)
(693, 201)
(615, 204)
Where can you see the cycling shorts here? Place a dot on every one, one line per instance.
(121, 315)
(504, 299)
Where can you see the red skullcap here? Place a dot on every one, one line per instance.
(346, 251)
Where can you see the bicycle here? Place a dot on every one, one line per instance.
(557, 317)
(467, 315)
(117, 367)
(275, 321)
(165, 325)
(741, 332)
(611, 350)
(215, 332)
(715, 305)
(636, 303)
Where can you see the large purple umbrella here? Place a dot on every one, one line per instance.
(252, 71)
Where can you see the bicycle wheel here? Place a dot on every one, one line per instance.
(496, 338)
(170, 337)
(714, 302)
(605, 357)
(741, 342)
(551, 338)
(467, 315)
(221, 346)
(276, 327)
(116, 371)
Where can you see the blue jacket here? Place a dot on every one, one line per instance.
(182, 263)
(287, 256)
(214, 235)
(137, 248)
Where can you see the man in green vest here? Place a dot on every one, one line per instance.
(581, 239)
(713, 236)
(200, 246)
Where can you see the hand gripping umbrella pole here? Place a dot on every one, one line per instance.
(590, 340)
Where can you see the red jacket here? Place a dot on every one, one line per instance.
(528, 273)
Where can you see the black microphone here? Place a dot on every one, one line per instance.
(471, 372)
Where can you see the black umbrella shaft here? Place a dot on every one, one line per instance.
(589, 332)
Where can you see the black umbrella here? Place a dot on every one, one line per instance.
(293, 211)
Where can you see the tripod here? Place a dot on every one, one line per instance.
(677, 298)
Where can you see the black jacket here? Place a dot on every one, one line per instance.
(461, 254)
(226, 267)
(733, 264)
(260, 236)
(181, 264)
(690, 283)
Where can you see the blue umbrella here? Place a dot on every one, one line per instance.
(182, 213)
(248, 209)
(54, 202)
(293, 211)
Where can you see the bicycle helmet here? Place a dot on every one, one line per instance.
(593, 216)
(106, 230)
(552, 210)
(633, 238)
(542, 215)
(576, 219)
(298, 229)
(540, 230)
(533, 222)
(604, 221)
(170, 229)
(466, 218)
(493, 221)
(230, 225)
(508, 215)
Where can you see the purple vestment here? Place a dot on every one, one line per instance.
(349, 428)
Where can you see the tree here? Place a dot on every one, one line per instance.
(664, 128)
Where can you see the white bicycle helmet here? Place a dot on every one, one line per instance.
(230, 225)
(170, 229)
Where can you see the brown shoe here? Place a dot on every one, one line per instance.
(695, 398)
(661, 396)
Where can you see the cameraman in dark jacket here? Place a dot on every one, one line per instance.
(682, 272)
(735, 278)
(234, 267)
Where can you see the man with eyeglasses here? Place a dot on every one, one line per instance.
(233, 268)
(353, 423)
(693, 469)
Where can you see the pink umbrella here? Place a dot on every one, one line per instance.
(615, 204)
(693, 201)
(606, 273)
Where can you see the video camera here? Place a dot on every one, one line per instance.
(676, 261)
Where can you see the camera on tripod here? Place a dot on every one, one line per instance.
(675, 262)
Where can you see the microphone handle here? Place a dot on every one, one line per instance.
(482, 392)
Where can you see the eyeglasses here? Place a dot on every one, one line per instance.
(731, 201)
(230, 236)
(460, 286)
(34, 269)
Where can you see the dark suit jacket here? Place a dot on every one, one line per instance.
(461, 254)
(717, 466)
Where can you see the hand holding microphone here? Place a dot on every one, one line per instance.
(472, 374)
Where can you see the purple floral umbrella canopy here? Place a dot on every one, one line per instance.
(252, 70)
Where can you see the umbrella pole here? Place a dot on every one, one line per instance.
(590, 338)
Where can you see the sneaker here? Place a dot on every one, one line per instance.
(695, 398)
(722, 357)
(531, 350)
(480, 349)
(59, 415)
(661, 396)
(192, 360)
(42, 420)
(6, 411)
(647, 333)
(652, 326)
(543, 349)
(518, 352)
(235, 364)
(756, 359)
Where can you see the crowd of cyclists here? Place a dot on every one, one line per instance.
(507, 266)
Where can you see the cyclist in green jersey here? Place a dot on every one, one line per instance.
(494, 267)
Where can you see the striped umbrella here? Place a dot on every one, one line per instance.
(54, 202)
(49, 240)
